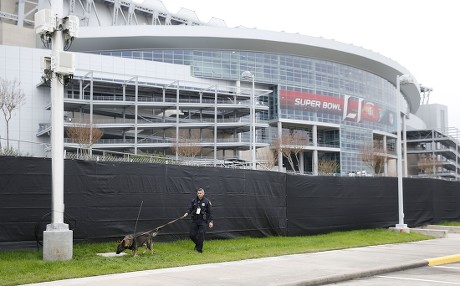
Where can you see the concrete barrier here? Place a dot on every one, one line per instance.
(443, 260)
(451, 229)
(438, 233)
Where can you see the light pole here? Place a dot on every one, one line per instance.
(252, 126)
(403, 79)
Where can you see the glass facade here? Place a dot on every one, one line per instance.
(306, 89)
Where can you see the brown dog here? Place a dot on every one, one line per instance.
(133, 242)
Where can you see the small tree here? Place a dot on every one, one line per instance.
(327, 166)
(268, 159)
(187, 146)
(11, 97)
(373, 154)
(85, 135)
(290, 145)
(428, 164)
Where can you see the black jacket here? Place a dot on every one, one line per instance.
(205, 207)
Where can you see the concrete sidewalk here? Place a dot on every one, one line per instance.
(301, 269)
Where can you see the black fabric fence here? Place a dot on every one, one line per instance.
(324, 204)
(103, 200)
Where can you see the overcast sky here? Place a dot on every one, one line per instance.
(421, 35)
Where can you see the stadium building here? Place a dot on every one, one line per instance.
(162, 83)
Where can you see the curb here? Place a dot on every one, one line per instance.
(443, 260)
(355, 275)
(436, 233)
(433, 232)
(451, 229)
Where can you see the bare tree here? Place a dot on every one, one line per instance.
(327, 166)
(374, 155)
(290, 145)
(11, 97)
(428, 164)
(187, 145)
(84, 135)
(268, 159)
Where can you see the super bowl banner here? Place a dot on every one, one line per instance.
(351, 108)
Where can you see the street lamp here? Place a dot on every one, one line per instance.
(252, 126)
(400, 80)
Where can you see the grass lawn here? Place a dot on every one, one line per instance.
(449, 223)
(27, 266)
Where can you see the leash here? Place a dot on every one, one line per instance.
(173, 221)
(161, 226)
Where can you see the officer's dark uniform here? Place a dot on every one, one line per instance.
(200, 220)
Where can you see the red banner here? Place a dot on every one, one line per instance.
(310, 101)
(352, 108)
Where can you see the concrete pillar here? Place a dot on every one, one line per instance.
(385, 164)
(57, 242)
(301, 163)
(315, 151)
(280, 156)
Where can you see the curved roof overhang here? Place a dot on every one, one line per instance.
(204, 37)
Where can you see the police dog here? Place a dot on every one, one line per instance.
(133, 242)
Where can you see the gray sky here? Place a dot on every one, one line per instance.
(421, 35)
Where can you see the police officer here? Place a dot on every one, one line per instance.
(200, 209)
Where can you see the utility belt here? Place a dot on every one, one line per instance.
(199, 216)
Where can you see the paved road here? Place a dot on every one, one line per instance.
(447, 274)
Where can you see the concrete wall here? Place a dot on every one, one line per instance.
(23, 65)
(12, 35)
(434, 115)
